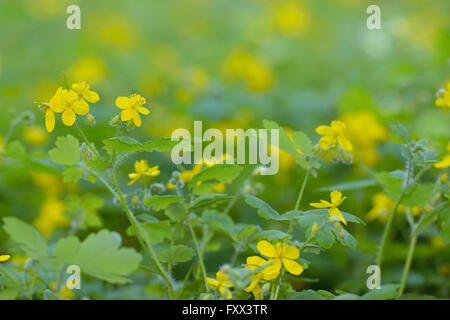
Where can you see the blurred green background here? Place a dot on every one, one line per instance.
(233, 64)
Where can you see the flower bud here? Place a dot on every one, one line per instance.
(444, 178)
(114, 120)
(315, 229)
(90, 118)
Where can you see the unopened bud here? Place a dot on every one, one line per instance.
(315, 229)
(135, 200)
(90, 118)
(444, 178)
(115, 120)
(341, 234)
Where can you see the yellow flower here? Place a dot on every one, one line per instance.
(187, 175)
(336, 200)
(69, 103)
(443, 100)
(222, 283)
(35, 135)
(267, 274)
(84, 91)
(445, 162)
(279, 255)
(171, 186)
(142, 169)
(335, 133)
(91, 69)
(132, 106)
(382, 208)
(4, 257)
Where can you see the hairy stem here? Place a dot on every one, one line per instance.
(412, 246)
(199, 253)
(142, 238)
(84, 137)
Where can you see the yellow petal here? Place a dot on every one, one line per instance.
(324, 130)
(338, 126)
(123, 103)
(4, 257)
(293, 267)
(337, 213)
(336, 198)
(444, 163)
(80, 107)
(136, 118)
(322, 204)
(345, 143)
(290, 252)
(126, 115)
(49, 120)
(272, 271)
(254, 262)
(57, 103)
(69, 117)
(225, 292)
(143, 110)
(212, 282)
(266, 249)
(327, 142)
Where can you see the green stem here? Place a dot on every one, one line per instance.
(299, 198)
(142, 238)
(412, 246)
(87, 142)
(387, 230)
(199, 253)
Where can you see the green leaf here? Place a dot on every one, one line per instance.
(220, 172)
(160, 145)
(264, 210)
(126, 144)
(285, 142)
(307, 295)
(348, 240)
(16, 150)
(427, 217)
(352, 185)
(122, 144)
(209, 200)
(271, 235)
(387, 291)
(419, 196)
(324, 212)
(219, 221)
(176, 254)
(158, 231)
(100, 256)
(392, 186)
(158, 203)
(66, 152)
(303, 142)
(176, 213)
(73, 174)
(29, 238)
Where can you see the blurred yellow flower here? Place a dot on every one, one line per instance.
(365, 132)
(222, 284)
(51, 217)
(289, 17)
(445, 162)
(279, 255)
(382, 208)
(89, 68)
(187, 175)
(132, 106)
(336, 200)
(437, 242)
(4, 257)
(335, 133)
(142, 169)
(443, 99)
(255, 73)
(35, 135)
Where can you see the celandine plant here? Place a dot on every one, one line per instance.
(179, 220)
